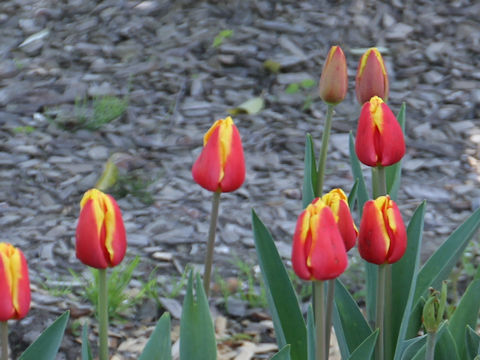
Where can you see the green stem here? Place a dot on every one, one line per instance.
(429, 355)
(207, 272)
(381, 182)
(379, 321)
(388, 313)
(319, 306)
(323, 150)
(103, 313)
(4, 336)
(328, 320)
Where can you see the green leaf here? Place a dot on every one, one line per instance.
(272, 66)
(310, 177)
(366, 348)
(420, 354)
(86, 350)
(362, 197)
(404, 277)
(310, 333)
(441, 263)
(445, 347)
(47, 344)
(109, 176)
(465, 314)
(252, 106)
(222, 35)
(197, 337)
(283, 354)
(350, 325)
(307, 83)
(159, 345)
(292, 88)
(282, 301)
(394, 172)
(352, 197)
(472, 342)
(411, 347)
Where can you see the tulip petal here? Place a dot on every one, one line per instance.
(364, 141)
(89, 247)
(207, 169)
(21, 295)
(301, 238)
(234, 173)
(371, 79)
(398, 235)
(346, 226)
(7, 311)
(333, 83)
(115, 234)
(373, 240)
(328, 257)
(391, 140)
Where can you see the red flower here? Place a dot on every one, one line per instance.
(382, 237)
(14, 283)
(318, 251)
(337, 201)
(372, 78)
(221, 165)
(379, 140)
(334, 80)
(101, 238)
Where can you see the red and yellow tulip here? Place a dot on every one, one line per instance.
(101, 240)
(371, 79)
(14, 283)
(337, 201)
(334, 79)
(221, 165)
(382, 237)
(379, 140)
(318, 251)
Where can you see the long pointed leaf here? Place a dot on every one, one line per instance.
(420, 355)
(440, 264)
(311, 333)
(197, 336)
(47, 344)
(465, 314)
(283, 354)
(411, 347)
(283, 303)
(352, 197)
(472, 342)
(351, 327)
(159, 346)
(394, 172)
(446, 348)
(403, 277)
(366, 348)
(86, 349)
(310, 176)
(370, 269)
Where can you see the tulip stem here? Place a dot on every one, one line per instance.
(103, 313)
(4, 336)
(328, 320)
(429, 355)
(319, 305)
(380, 181)
(379, 321)
(388, 312)
(211, 242)
(323, 150)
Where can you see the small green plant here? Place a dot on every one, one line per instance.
(23, 129)
(118, 300)
(251, 288)
(134, 183)
(221, 36)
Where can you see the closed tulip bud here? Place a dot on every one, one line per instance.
(221, 165)
(371, 79)
(382, 236)
(379, 140)
(14, 283)
(318, 251)
(334, 80)
(101, 240)
(337, 201)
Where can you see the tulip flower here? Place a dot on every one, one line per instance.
(371, 79)
(379, 140)
(334, 80)
(337, 201)
(318, 251)
(14, 283)
(382, 237)
(101, 239)
(221, 165)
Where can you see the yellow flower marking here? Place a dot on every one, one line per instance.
(376, 112)
(104, 213)
(365, 57)
(385, 216)
(225, 140)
